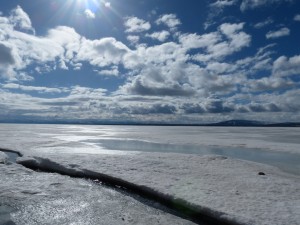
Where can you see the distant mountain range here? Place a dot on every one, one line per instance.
(229, 123)
(251, 123)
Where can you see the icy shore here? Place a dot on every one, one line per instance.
(33, 198)
(229, 189)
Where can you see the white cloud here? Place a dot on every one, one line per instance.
(86, 92)
(297, 17)
(161, 35)
(133, 39)
(62, 65)
(216, 9)
(68, 38)
(220, 68)
(33, 49)
(170, 20)
(252, 4)
(191, 41)
(191, 73)
(61, 46)
(284, 66)
(20, 19)
(229, 39)
(102, 52)
(269, 84)
(89, 14)
(223, 3)
(113, 71)
(230, 29)
(278, 33)
(34, 88)
(264, 23)
(136, 25)
(237, 39)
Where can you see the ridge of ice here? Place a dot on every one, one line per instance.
(72, 170)
(228, 189)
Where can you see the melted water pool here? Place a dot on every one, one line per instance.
(12, 156)
(287, 162)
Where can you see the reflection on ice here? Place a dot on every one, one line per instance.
(286, 161)
(69, 201)
(10, 155)
(221, 184)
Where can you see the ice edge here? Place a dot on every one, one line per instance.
(196, 213)
(12, 151)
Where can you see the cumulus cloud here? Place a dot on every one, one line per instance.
(163, 70)
(136, 25)
(140, 87)
(191, 41)
(20, 19)
(230, 38)
(89, 14)
(185, 76)
(157, 108)
(237, 39)
(278, 33)
(284, 66)
(161, 36)
(113, 71)
(268, 84)
(215, 10)
(133, 39)
(102, 52)
(169, 20)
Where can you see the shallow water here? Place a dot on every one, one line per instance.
(287, 162)
(12, 156)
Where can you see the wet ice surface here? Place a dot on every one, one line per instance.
(279, 147)
(219, 183)
(286, 161)
(224, 185)
(9, 155)
(31, 198)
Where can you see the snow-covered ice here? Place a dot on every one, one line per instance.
(229, 187)
(274, 139)
(32, 198)
(218, 183)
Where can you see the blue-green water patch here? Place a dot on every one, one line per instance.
(287, 162)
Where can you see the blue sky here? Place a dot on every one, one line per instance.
(150, 61)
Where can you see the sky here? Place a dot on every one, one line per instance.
(150, 61)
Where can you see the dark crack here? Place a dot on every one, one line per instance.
(181, 207)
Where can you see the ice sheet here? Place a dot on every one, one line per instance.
(273, 139)
(230, 186)
(31, 198)
(221, 184)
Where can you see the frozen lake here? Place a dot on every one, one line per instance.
(288, 162)
(279, 147)
(179, 162)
